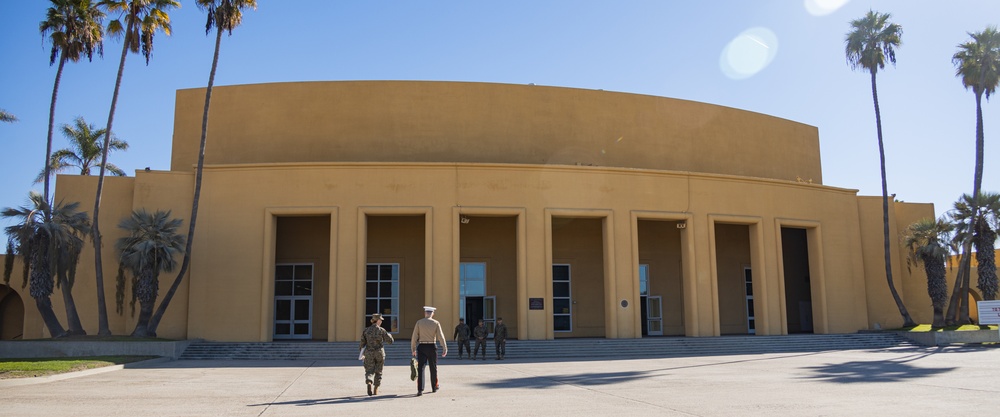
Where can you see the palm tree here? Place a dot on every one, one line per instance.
(147, 249)
(978, 64)
(223, 16)
(50, 239)
(871, 41)
(74, 28)
(977, 221)
(142, 19)
(85, 148)
(927, 241)
(7, 117)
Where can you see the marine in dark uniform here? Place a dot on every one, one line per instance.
(480, 334)
(462, 332)
(500, 338)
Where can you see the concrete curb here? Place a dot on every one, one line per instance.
(16, 382)
(63, 349)
(952, 337)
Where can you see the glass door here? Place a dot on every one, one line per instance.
(654, 315)
(293, 284)
(490, 313)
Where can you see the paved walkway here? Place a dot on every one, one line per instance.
(892, 382)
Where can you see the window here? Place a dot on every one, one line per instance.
(562, 309)
(293, 286)
(382, 294)
(471, 283)
(748, 283)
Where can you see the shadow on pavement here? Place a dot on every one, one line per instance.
(875, 371)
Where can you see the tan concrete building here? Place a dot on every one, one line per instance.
(568, 212)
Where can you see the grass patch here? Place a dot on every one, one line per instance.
(965, 327)
(27, 368)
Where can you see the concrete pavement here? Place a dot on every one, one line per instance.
(888, 382)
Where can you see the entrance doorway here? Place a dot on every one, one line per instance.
(650, 306)
(293, 299)
(798, 286)
(474, 304)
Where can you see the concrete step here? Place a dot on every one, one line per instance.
(562, 348)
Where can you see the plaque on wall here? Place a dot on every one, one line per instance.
(536, 304)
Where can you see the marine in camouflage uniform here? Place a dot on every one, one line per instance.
(462, 332)
(500, 338)
(372, 340)
(480, 334)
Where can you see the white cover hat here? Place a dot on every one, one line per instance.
(429, 308)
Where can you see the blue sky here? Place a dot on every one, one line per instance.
(789, 64)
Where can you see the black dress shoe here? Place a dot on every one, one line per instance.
(369, 384)
(419, 393)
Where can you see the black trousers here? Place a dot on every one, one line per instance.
(427, 355)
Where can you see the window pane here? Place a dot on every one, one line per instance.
(751, 324)
(371, 272)
(303, 272)
(560, 305)
(385, 272)
(385, 306)
(283, 288)
(283, 310)
(371, 306)
(561, 323)
(282, 328)
(282, 272)
(750, 307)
(749, 288)
(560, 272)
(654, 309)
(655, 326)
(395, 324)
(302, 310)
(475, 288)
(371, 289)
(385, 289)
(303, 287)
(643, 288)
(560, 289)
(302, 328)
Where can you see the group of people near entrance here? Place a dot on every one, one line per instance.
(427, 334)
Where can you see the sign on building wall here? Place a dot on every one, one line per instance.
(989, 312)
(536, 304)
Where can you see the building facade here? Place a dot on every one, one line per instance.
(568, 212)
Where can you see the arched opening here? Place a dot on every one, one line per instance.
(11, 314)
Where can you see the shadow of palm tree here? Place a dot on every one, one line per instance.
(585, 379)
(874, 371)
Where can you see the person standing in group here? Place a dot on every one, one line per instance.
(500, 339)
(372, 340)
(462, 333)
(427, 334)
(480, 334)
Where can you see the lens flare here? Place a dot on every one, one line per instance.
(824, 7)
(749, 53)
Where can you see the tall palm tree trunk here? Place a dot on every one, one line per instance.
(907, 320)
(977, 184)
(74, 327)
(41, 288)
(102, 309)
(155, 321)
(52, 118)
(954, 316)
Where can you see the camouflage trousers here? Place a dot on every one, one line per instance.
(374, 361)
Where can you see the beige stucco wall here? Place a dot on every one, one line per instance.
(393, 165)
(400, 121)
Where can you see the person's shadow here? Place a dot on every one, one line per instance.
(340, 400)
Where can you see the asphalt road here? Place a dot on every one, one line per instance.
(891, 382)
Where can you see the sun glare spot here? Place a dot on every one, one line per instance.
(748, 53)
(824, 7)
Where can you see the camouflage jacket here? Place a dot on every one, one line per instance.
(500, 332)
(374, 337)
(480, 332)
(462, 331)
